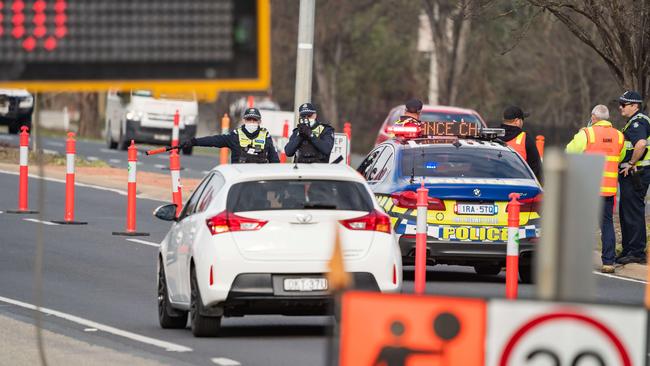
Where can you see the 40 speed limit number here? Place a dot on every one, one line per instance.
(533, 333)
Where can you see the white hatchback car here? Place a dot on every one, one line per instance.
(257, 238)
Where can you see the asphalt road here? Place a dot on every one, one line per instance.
(89, 273)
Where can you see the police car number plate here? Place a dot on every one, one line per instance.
(305, 284)
(476, 209)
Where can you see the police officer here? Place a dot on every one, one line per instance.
(312, 141)
(599, 137)
(413, 107)
(249, 143)
(634, 179)
(520, 141)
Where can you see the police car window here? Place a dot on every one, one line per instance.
(298, 195)
(463, 162)
(366, 166)
(449, 117)
(378, 170)
(190, 206)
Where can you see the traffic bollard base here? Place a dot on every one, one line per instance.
(21, 212)
(129, 233)
(63, 222)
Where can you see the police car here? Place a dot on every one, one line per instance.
(469, 174)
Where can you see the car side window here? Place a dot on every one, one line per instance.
(367, 165)
(190, 205)
(210, 192)
(378, 171)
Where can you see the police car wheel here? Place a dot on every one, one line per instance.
(487, 269)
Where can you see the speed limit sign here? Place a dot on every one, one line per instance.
(563, 334)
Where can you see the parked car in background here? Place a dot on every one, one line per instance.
(430, 113)
(16, 108)
(139, 116)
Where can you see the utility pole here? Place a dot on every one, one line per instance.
(305, 55)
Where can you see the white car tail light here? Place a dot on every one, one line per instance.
(229, 222)
(374, 221)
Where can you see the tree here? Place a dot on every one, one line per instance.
(617, 30)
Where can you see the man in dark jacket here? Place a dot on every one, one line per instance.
(312, 141)
(523, 143)
(249, 143)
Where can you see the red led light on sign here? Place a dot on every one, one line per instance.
(29, 44)
(60, 6)
(60, 19)
(60, 32)
(39, 31)
(39, 18)
(18, 32)
(50, 43)
(18, 19)
(18, 6)
(39, 6)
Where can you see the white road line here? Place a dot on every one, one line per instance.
(114, 161)
(42, 222)
(619, 277)
(92, 158)
(54, 143)
(160, 166)
(221, 361)
(50, 152)
(172, 347)
(144, 242)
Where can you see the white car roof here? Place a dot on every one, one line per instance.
(256, 172)
(15, 92)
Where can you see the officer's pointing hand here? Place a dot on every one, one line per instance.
(187, 143)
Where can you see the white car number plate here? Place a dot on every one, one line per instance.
(476, 209)
(305, 284)
(161, 137)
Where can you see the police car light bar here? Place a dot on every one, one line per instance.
(492, 133)
(407, 130)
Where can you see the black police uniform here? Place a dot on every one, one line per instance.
(245, 147)
(315, 148)
(633, 192)
(310, 144)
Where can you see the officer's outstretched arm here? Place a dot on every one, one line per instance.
(294, 142)
(213, 141)
(270, 150)
(325, 142)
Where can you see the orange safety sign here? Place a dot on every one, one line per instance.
(411, 330)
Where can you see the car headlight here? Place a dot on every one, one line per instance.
(134, 115)
(27, 102)
(189, 120)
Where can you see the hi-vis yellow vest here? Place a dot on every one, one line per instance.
(645, 161)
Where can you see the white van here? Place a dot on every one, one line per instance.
(138, 116)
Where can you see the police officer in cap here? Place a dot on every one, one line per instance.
(249, 143)
(412, 111)
(312, 141)
(633, 179)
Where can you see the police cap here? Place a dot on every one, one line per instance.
(306, 109)
(252, 113)
(514, 112)
(414, 106)
(630, 96)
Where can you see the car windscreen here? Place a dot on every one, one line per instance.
(449, 117)
(462, 162)
(298, 195)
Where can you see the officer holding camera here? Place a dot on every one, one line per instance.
(312, 141)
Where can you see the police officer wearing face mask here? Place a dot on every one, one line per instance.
(249, 143)
(312, 141)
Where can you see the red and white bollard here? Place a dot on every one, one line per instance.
(224, 153)
(347, 129)
(421, 240)
(250, 101)
(512, 250)
(131, 195)
(175, 129)
(70, 152)
(175, 169)
(23, 179)
(285, 137)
